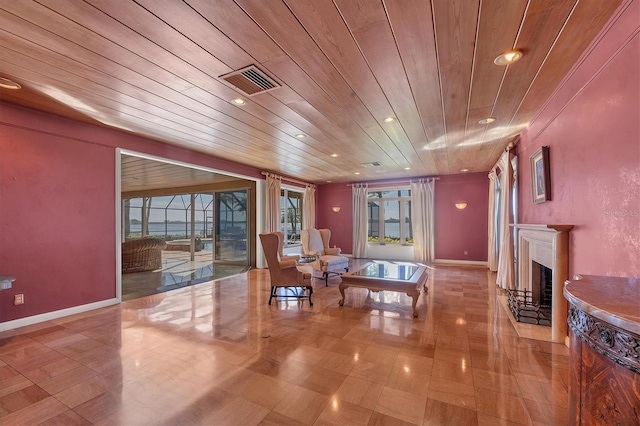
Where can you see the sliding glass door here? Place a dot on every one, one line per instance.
(231, 220)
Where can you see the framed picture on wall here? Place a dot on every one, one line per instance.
(540, 175)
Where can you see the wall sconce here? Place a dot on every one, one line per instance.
(335, 209)
(461, 206)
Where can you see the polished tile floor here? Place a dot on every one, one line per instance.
(178, 270)
(216, 353)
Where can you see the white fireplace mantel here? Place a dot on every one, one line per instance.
(547, 245)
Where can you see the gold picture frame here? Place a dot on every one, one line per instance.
(540, 175)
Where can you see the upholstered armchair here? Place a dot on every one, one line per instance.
(329, 262)
(284, 271)
(281, 247)
(316, 241)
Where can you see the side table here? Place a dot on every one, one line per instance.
(308, 258)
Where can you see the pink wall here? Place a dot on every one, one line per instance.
(57, 207)
(460, 231)
(592, 126)
(456, 231)
(340, 223)
(57, 221)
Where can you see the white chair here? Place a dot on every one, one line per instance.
(329, 262)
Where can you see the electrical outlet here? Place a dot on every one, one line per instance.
(18, 299)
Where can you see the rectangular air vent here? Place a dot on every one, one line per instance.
(372, 164)
(250, 80)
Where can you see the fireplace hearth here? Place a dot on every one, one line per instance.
(542, 265)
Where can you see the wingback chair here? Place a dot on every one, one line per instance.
(281, 247)
(285, 272)
(329, 262)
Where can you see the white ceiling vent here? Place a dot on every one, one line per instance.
(250, 80)
(372, 164)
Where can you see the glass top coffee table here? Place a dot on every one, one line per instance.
(388, 276)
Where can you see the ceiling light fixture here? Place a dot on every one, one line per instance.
(357, 173)
(9, 84)
(407, 168)
(487, 120)
(389, 120)
(508, 57)
(239, 101)
(300, 136)
(334, 155)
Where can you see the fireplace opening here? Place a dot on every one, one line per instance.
(542, 284)
(534, 306)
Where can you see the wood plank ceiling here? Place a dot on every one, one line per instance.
(145, 177)
(152, 67)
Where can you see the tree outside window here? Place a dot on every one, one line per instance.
(291, 216)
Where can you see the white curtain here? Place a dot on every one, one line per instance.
(505, 275)
(492, 248)
(272, 203)
(422, 219)
(360, 220)
(309, 207)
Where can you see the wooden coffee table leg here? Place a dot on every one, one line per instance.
(415, 294)
(341, 287)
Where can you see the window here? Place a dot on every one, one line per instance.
(166, 216)
(291, 216)
(390, 217)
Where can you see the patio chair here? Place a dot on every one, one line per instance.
(329, 262)
(285, 272)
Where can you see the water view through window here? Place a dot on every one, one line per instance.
(389, 216)
(220, 222)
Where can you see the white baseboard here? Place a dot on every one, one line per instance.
(35, 319)
(460, 262)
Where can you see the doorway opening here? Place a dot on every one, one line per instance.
(181, 226)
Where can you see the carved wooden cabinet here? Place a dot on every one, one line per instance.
(604, 332)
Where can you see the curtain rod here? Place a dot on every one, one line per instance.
(288, 179)
(393, 182)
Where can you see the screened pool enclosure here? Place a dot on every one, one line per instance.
(206, 221)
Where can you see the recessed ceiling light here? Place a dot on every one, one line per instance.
(357, 173)
(508, 57)
(9, 84)
(487, 120)
(464, 170)
(334, 155)
(389, 120)
(239, 101)
(407, 168)
(300, 136)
